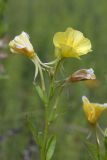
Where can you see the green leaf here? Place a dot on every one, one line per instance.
(50, 147)
(32, 128)
(40, 139)
(41, 93)
(53, 115)
(92, 150)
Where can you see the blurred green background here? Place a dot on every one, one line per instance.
(41, 19)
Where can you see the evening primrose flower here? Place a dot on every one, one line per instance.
(71, 43)
(21, 45)
(93, 111)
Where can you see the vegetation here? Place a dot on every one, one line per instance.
(18, 97)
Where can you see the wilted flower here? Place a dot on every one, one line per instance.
(93, 111)
(82, 74)
(22, 45)
(71, 43)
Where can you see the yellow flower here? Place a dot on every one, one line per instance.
(22, 45)
(71, 43)
(93, 111)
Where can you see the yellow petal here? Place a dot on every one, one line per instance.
(73, 36)
(84, 46)
(59, 38)
(68, 51)
(99, 109)
(93, 111)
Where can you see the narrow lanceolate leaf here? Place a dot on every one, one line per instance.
(32, 129)
(50, 147)
(40, 139)
(41, 93)
(53, 115)
(92, 150)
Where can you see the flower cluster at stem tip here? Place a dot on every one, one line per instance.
(70, 43)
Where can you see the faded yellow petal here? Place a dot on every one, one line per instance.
(21, 45)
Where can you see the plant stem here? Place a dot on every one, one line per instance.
(52, 85)
(105, 154)
(100, 129)
(42, 78)
(97, 142)
(43, 149)
(46, 123)
(105, 145)
(47, 104)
